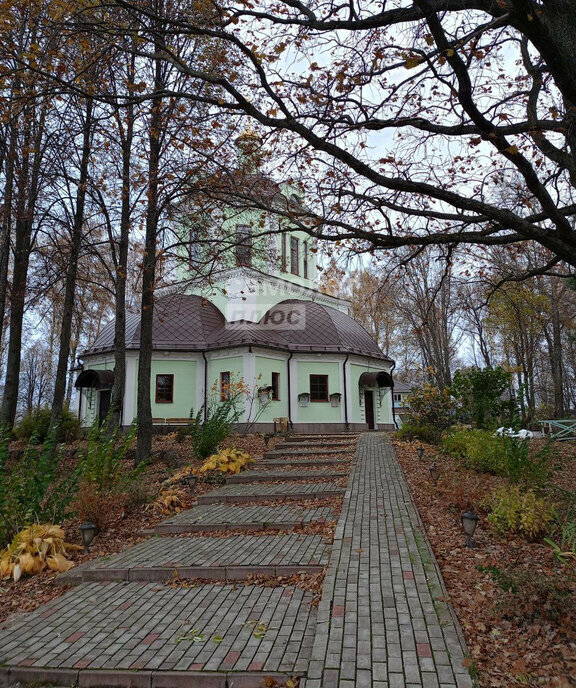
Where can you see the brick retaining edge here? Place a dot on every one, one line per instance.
(106, 678)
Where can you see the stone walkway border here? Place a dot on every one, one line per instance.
(381, 621)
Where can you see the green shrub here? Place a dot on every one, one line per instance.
(529, 469)
(35, 426)
(515, 511)
(507, 456)
(101, 463)
(33, 489)
(479, 450)
(479, 393)
(431, 406)
(207, 433)
(458, 441)
(424, 433)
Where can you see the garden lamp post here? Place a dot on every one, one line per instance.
(420, 452)
(469, 523)
(191, 479)
(434, 473)
(88, 531)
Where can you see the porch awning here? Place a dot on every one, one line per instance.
(376, 379)
(95, 379)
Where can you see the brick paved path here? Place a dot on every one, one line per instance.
(227, 517)
(272, 476)
(380, 623)
(231, 558)
(145, 627)
(253, 493)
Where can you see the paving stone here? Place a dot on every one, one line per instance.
(156, 559)
(301, 463)
(175, 616)
(254, 493)
(302, 453)
(227, 517)
(269, 476)
(376, 572)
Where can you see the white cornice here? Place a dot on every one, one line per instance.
(250, 274)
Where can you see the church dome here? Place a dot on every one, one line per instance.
(181, 323)
(318, 328)
(191, 323)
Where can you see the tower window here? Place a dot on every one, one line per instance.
(305, 256)
(318, 387)
(244, 245)
(275, 387)
(284, 252)
(164, 389)
(294, 256)
(193, 248)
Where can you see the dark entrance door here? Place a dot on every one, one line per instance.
(105, 399)
(369, 406)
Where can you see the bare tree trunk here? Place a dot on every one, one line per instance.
(9, 162)
(28, 181)
(144, 444)
(72, 271)
(118, 389)
(555, 348)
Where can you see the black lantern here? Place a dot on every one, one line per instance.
(191, 479)
(469, 522)
(88, 531)
(434, 473)
(420, 452)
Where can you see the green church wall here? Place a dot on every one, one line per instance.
(233, 364)
(184, 390)
(318, 411)
(274, 409)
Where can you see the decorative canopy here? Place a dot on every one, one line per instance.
(380, 379)
(96, 379)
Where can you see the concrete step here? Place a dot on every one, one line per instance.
(146, 634)
(337, 437)
(262, 493)
(295, 446)
(273, 476)
(214, 558)
(299, 463)
(297, 453)
(216, 517)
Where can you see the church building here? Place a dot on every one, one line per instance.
(257, 328)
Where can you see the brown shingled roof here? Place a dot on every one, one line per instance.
(190, 323)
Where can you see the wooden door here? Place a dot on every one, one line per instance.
(104, 407)
(369, 406)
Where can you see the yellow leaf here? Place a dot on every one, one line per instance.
(59, 563)
(17, 573)
(449, 52)
(511, 149)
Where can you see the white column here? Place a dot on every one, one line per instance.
(129, 391)
(249, 366)
(295, 410)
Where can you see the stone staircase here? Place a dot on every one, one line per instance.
(133, 619)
